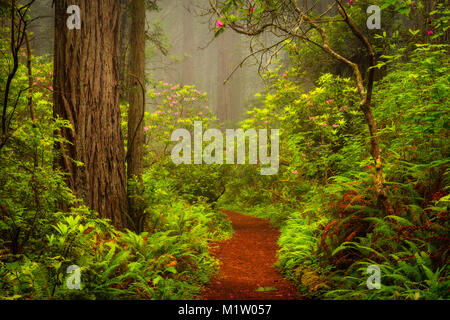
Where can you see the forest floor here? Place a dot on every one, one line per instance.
(247, 270)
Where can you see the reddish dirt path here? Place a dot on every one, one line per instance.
(247, 263)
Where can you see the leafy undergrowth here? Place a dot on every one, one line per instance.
(170, 262)
(167, 259)
(324, 200)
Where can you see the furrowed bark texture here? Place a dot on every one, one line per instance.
(86, 84)
(136, 99)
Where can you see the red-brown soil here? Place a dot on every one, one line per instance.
(247, 263)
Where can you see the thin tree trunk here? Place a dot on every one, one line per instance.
(366, 108)
(365, 95)
(86, 84)
(137, 103)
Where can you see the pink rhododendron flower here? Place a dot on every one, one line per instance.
(186, 99)
(309, 103)
(38, 79)
(284, 75)
(295, 172)
(206, 107)
(177, 113)
(252, 10)
(335, 125)
(324, 124)
(24, 54)
(51, 88)
(266, 121)
(303, 155)
(350, 2)
(165, 84)
(145, 128)
(219, 24)
(430, 32)
(312, 118)
(51, 73)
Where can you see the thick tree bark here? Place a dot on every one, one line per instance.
(136, 100)
(86, 84)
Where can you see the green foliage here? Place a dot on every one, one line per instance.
(323, 197)
(179, 107)
(170, 262)
(39, 241)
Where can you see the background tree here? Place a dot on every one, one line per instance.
(19, 24)
(136, 100)
(86, 84)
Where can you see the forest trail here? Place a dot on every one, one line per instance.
(247, 263)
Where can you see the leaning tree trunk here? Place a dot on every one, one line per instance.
(86, 85)
(137, 104)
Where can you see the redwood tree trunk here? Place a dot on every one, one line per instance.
(136, 99)
(86, 85)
